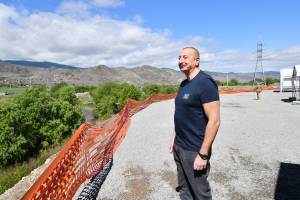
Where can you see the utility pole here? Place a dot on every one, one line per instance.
(259, 67)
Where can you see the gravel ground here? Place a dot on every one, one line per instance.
(143, 168)
(256, 140)
(255, 155)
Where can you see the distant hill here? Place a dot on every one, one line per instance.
(38, 64)
(242, 77)
(27, 72)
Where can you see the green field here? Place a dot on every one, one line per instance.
(13, 90)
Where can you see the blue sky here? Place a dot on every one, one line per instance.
(131, 33)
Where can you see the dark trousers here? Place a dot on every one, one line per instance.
(192, 185)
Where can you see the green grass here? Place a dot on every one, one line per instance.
(5, 98)
(13, 90)
(10, 175)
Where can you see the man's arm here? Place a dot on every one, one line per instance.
(212, 112)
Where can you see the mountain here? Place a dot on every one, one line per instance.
(51, 73)
(39, 64)
(242, 77)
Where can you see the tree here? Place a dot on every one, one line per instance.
(106, 89)
(57, 86)
(36, 119)
(83, 88)
(106, 107)
(151, 89)
(219, 83)
(128, 92)
(66, 93)
(111, 97)
(271, 81)
(233, 82)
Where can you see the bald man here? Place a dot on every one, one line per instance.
(197, 119)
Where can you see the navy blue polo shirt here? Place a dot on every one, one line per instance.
(189, 118)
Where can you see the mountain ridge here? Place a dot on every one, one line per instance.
(50, 73)
(40, 64)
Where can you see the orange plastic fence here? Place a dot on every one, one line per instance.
(89, 149)
(243, 90)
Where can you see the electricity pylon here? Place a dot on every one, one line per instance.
(259, 67)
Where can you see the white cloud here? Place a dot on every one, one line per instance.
(236, 61)
(7, 13)
(285, 57)
(85, 41)
(74, 8)
(138, 19)
(108, 3)
(90, 39)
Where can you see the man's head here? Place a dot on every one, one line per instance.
(189, 59)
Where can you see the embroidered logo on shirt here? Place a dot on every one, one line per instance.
(186, 96)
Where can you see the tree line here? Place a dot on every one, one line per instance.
(109, 98)
(235, 82)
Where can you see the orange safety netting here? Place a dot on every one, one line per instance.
(89, 149)
(86, 153)
(243, 90)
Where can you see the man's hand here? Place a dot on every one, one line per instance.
(199, 163)
(170, 147)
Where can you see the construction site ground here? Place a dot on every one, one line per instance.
(256, 154)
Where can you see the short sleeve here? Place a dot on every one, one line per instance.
(209, 92)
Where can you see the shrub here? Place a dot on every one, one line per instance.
(110, 97)
(36, 119)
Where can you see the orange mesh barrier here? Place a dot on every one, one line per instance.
(86, 153)
(89, 149)
(243, 90)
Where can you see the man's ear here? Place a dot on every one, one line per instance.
(198, 60)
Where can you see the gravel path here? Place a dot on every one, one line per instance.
(257, 138)
(143, 168)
